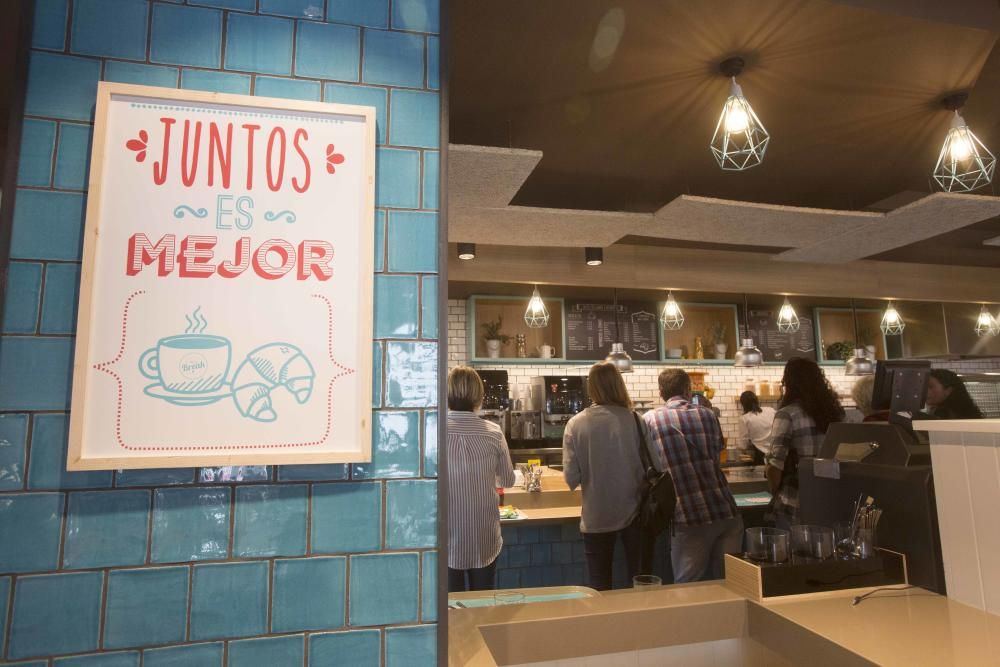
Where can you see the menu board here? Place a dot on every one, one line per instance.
(776, 345)
(592, 326)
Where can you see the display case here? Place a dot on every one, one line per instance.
(482, 309)
(835, 329)
(699, 318)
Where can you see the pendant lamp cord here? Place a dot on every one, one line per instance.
(854, 313)
(617, 331)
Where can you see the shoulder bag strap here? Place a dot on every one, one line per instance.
(647, 461)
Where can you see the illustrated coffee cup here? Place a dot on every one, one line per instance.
(188, 363)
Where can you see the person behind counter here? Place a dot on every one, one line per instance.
(707, 523)
(808, 406)
(862, 392)
(947, 397)
(753, 430)
(478, 462)
(601, 455)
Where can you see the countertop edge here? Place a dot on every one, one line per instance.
(958, 425)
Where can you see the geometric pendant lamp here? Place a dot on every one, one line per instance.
(740, 140)
(892, 323)
(788, 321)
(536, 316)
(964, 162)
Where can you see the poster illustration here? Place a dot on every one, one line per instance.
(226, 293)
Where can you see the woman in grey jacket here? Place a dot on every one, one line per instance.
(601, 455)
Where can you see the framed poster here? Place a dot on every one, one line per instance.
(225, 312)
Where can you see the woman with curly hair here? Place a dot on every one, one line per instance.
(808, 406)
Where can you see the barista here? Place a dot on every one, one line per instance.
(947, 397)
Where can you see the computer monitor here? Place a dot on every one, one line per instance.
(900, 386)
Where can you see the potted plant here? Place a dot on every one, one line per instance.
(717, 335)
(493, 337)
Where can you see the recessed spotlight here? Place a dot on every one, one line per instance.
(466, 250)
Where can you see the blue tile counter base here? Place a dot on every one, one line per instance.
(300, 565)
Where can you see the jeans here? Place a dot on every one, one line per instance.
(479, 579)
(697, 551)
(599, 548)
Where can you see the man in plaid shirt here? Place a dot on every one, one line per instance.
(707, 523)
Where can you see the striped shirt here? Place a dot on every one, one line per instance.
(690, 442)
(794, 436)
(478, 462)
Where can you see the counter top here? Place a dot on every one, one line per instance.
(958, 425)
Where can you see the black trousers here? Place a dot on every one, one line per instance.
(479, 579)
(599, 548)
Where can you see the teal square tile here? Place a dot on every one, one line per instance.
(59, 301)
(229, 600)
(73, 156)
(235, 474)
(393, 59)
(20, 308)
(428, 586)
(328, 51)
(318, 472)
(155, 477)
(415, 119)
(379, 240)
(271, 520)
(259, 44)
(49, 25)
(106, 528)
(117, 659)
(190, 524)
(432, 176)
(114, 28)
(429, 307)
(292, 89)
(416, 15)
(36, 372)
(4, 605)
(62, 86)
(215, 82)
(49, 449)
(397, 178)
(357, 647)
(34, 522)
(186, 36)
(267, 652)
(384, 589)
(143, 75)
(376, 374)
(28, 663)
(430, 443)
(411, 375)
(433, 63)
(246, 5)
(310, 9)
(309, 594)
(371, 13)
(55, 614)
(410, 514)
(38, 140)
(413, 241)
(195, 655)
(13, 443)
(146, 607)
(411, 647)
(346, 517)
(395, 306)
(48, 225)
(366, 96)
(395, 446)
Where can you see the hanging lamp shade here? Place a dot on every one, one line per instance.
(748, 355)
(964, 162)
(740, 139)
(671, 317)
(892, 323)
(537, 315)
(788, 321)
(619, 357)
(859, 363)
(986, 324)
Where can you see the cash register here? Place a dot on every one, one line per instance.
(889, 462)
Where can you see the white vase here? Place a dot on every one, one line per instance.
(871, 351)
(720, 350)
(493, 349)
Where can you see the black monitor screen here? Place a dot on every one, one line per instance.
(900, 386)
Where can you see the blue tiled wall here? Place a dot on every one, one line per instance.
(267, 565)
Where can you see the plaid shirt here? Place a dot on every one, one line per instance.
(689, 440)
(794, 436)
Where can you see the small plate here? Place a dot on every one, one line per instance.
(157, 390)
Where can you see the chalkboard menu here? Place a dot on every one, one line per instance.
(591, 329)
(775, 345)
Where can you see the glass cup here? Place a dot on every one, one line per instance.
(646, 581)
(843, 539)
(767, 545)
(812, 542)
(864, 543)
(508, 597)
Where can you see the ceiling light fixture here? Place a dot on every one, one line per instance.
(986, 324)
(788, 321)
(466, 250)
(748, 356)
(594, 256)
(892, 324)
(671, 318)
(859, 363)
(740, 140)
(618, 356)
(537, 315)
(964, 163)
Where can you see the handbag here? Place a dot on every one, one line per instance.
(658, 495)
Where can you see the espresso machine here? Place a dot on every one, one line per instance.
(496, 399)
(560, 398)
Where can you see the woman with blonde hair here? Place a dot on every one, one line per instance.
(601, 455)
(478, 463)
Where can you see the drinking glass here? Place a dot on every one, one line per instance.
(812, 542)
(646, 581)
(864, 543)
(844, 539)
(508, 597)
(767, 545)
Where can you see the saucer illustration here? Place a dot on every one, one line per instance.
(157, 390)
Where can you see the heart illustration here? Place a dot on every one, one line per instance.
(332, 159)
(138, 145)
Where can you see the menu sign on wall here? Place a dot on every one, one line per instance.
(775, 345)
(225, 301)
(591, 328)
